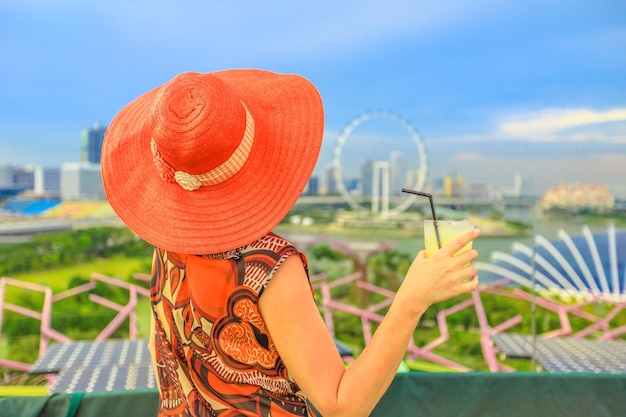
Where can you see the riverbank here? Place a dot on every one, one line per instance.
(495, 238)
(489, 228)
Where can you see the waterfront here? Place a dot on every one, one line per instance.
(546, 226)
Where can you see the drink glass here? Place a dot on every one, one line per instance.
(448, 231)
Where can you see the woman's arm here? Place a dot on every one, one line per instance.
(309, 351)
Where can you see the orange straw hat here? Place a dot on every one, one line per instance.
(211, 162)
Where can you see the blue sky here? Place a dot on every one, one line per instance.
(493, 87)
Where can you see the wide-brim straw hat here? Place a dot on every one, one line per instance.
(209, 162)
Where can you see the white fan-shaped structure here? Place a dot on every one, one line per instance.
(587, 264)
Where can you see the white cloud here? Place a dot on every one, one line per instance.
(576, 125)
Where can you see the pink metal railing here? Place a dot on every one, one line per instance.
(369, 314)
(47, 333)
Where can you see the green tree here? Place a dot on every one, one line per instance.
(388, 268)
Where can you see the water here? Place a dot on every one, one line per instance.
(547, 227)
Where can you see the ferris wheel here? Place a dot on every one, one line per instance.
(421, 155)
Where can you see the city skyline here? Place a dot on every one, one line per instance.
(494, 88)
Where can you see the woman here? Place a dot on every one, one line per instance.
(204, 167)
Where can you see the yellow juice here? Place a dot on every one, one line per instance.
(448, 231)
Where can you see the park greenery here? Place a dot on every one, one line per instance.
(65, 260)
(53, 250)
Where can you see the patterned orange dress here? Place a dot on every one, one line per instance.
(213, 355)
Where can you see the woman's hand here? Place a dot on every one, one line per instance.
(441, 276)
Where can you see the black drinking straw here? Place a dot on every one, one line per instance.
(432, 209)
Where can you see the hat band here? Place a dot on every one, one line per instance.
(226, 170)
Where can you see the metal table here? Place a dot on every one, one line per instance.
(566, 354)
(97, 366)
(88, 354)
(103, 366)
(104, 378)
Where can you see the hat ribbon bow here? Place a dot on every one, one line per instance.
(226, 170)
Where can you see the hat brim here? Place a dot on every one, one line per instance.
(288, 115)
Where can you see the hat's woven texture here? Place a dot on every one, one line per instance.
(210, 162)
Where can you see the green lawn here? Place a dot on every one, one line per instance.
(24, 347)
(23, 391)
(118, 267)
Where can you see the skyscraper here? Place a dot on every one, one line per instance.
(366, 177)
(329, 186)
(6, 176)
(523, 186)
(313, 186)
(81, 181)
(47, 180)
(91, 143)
(380, 187)
(398, 167)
